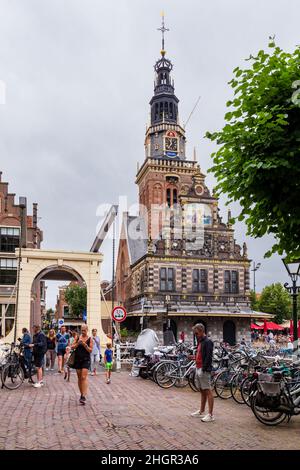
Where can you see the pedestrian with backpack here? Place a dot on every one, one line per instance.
(39, 346)
(62, 341)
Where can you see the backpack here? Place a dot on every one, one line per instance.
(45, 345)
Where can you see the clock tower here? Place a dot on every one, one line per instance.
(178, 262)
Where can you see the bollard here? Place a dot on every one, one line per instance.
(118, 357)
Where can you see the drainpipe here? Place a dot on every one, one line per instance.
(34, 222)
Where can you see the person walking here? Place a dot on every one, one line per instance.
(108, 362)
(26, 341)
(83, 347)
(203, 358)
(96, 352)
(62, 339)
(39, 346)
(51, 353)
(67, 370)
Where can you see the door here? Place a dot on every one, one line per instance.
(229, 332)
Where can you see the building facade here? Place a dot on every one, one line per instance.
(11, 218)
(178, 262)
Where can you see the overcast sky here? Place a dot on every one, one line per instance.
(79, 77)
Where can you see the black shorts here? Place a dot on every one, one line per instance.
(83, 364)
(38, 360)
(61, 351)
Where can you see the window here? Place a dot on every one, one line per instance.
(174, 197)
(142, 281)
(7, 318)
(66, 312)
(166, 279)
(200, 280)
(231, 281)
(169, 197)
(161, 108)
(234, 282)
(8, 271)
(9, 239)
(166, 110)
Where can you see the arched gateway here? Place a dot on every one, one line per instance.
(47, 264)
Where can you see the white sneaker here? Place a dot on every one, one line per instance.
(208, 418)
(197, 414)
(42, 383)
(37, 385)
(51, 369)
(47, 368)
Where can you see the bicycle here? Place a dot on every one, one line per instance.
(170, 373)
(15, 371)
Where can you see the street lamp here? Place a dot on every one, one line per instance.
(293, 269)
(255, 268)
(22, 244)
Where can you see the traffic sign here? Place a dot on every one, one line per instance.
(60, 322)
(119, 314)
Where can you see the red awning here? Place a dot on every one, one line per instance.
(256, 327)
(273, 326)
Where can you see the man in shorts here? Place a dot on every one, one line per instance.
(204, 356)
(39, 346)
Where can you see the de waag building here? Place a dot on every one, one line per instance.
(171, 275)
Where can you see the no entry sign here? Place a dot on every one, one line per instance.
(119, 314)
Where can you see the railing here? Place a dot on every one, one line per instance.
(126, 350)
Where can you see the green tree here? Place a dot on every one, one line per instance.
(258, 159)
(47, 318)
(276, 300)
(76, 298)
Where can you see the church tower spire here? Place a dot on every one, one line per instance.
(164, 103)
(165, 138)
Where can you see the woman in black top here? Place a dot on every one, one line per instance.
(83, 347)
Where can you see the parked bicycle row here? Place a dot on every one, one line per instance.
(270, 386)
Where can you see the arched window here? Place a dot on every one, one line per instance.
(169, 197)
(157, 194)
(161, 108)
(166, 110)
(172, 198)
(171, 111)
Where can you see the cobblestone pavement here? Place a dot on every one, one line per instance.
(130, 413)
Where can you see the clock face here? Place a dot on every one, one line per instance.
(171, 144)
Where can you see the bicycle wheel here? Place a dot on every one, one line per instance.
(223, 384)
(265, 415)
(191, 381)
(181, 382)
(246, 388)
(236, 388)
(12, 376)
(166, 374)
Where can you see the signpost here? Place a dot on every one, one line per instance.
(60, 323)
(119, 314)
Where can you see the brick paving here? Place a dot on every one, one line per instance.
(130, 413)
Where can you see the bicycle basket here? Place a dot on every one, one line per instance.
(271, 389)
(264, 377)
